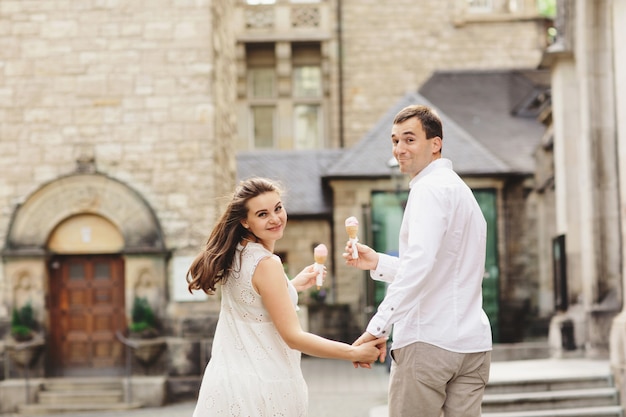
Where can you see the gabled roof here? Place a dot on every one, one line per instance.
(483, 127)
(370, 157)
(498, 108)
(299, 172)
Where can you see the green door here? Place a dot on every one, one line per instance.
(487, 201)
(386, 216)
(387, 211)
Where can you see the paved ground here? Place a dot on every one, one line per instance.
(336, 389)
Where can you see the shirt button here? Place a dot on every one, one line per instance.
(384, 331)
(378, 328)
(391, 308)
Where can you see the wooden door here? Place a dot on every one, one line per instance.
(86, 310)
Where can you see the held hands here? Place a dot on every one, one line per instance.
(306, 278)
(368, 352)
(366, 339)
(367, 260)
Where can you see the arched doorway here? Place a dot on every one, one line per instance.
(88, 242)
(86, 292)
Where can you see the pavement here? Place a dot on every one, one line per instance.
(337, 389)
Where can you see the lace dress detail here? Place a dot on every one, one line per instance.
(252, 371)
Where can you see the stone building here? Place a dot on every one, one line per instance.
(116, 140)
(119, 124)
(581, 199)
(579, 177)
(581, 181)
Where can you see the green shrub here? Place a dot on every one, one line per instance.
(23, 323)
(143, 321)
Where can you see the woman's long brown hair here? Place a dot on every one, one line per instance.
(213, 264)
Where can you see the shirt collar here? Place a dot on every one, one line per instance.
(437, 163)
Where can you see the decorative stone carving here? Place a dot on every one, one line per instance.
(85, 193)
(305, 17)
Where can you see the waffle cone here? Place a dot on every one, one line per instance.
(352, 231)
(320, 259)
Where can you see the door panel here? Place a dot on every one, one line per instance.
(87, 308)
(487, 200)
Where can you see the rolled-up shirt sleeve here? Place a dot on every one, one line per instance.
(386, 269)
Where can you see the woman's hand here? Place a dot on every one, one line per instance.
(368, 352)
(306, 278)
(367, 260)
(380, 343)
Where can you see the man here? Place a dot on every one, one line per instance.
(441, 351)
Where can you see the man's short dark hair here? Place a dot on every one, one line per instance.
(427, 116)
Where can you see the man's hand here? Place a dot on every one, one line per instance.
(367, 260)
(382, 347)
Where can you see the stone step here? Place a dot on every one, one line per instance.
(608, 411)
(549, 384)
(82, 384)
(67, 395)
(81, 396)
(551, 400)
(44, 409)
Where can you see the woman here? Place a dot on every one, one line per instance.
(255, 360)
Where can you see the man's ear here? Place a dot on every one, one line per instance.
(437, 144)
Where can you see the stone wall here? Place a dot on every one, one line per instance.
(142, 93)
(401, 45)
(139, 91)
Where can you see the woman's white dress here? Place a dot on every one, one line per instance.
(252, 372)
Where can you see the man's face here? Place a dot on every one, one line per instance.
(411, 148)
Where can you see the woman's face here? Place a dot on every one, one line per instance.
(266, 217)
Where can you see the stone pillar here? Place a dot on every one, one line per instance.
(618, 330)
(600, 240)
(586, 170)
(566, 110)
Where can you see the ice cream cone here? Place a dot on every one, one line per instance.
(352, 228)
(320, 253)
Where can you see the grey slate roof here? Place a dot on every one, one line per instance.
(299, 172)
(496, 108)
(482, 135)
(370, 156)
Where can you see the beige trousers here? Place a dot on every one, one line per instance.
(427, 381)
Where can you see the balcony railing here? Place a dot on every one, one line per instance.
(283, 20)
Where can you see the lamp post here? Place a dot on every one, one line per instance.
(396, 175)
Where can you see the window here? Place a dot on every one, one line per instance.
(307, 120)
(261, 82)
(307, 94)
(307, 81)
(284, 96)
(256, 2)
(261, 92)
(263, 120)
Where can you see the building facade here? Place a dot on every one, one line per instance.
(580, 198)
(116, 144)
(119, 124)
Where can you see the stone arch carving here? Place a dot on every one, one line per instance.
(36, 218)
